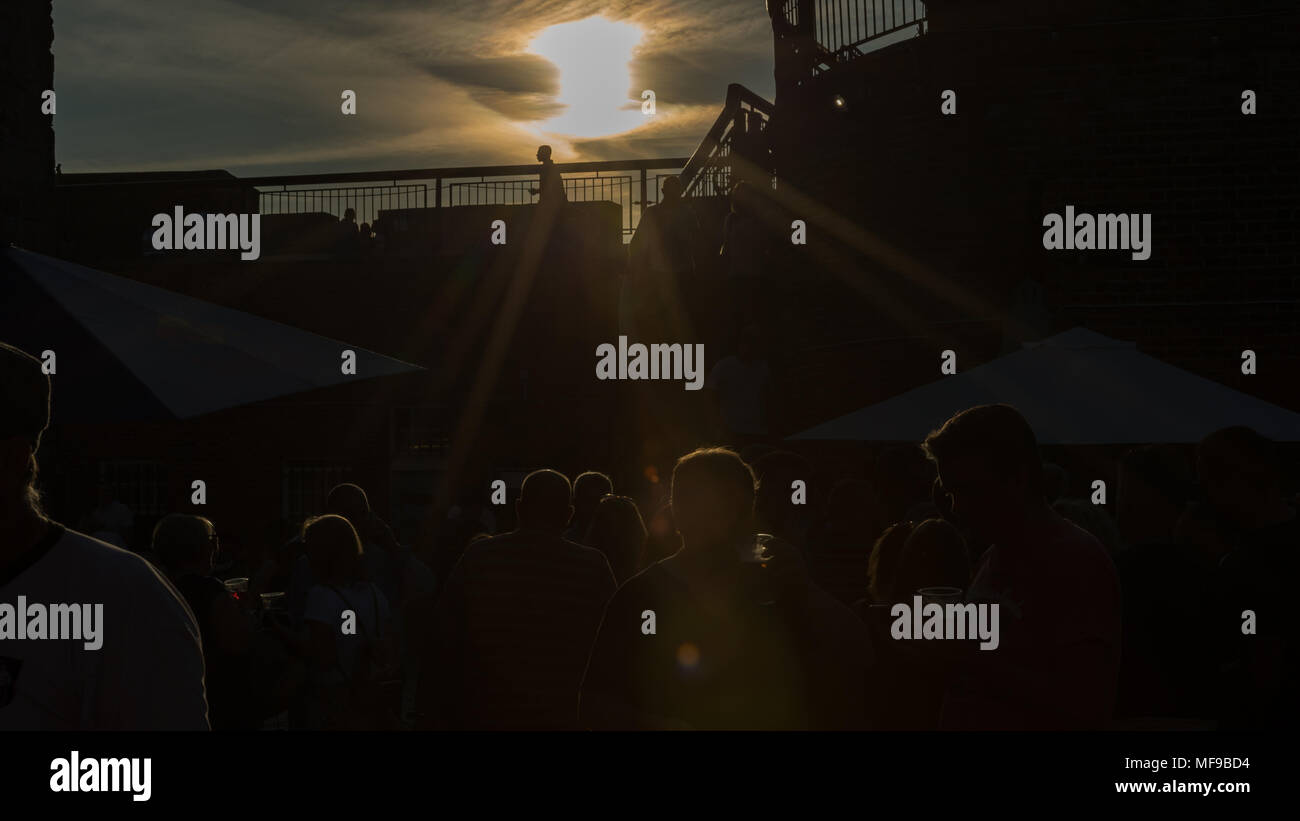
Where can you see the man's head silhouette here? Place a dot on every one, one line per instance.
(333, 548)
(350, 502)
(988, 462)
(588, 489)
(545, 501)
(543, 153)
(672, 189)
(184, 543)
(713, 499)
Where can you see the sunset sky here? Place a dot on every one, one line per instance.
(253, 86)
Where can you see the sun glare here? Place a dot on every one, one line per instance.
(595, 79)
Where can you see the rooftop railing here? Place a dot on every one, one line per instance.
(847, 29)
(477, 185)
(631, 184)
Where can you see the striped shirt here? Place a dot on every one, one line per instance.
(513, 631)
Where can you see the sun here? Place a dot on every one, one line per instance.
(593, 58)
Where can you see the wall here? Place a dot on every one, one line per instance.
(1061, 107)
(27, 161)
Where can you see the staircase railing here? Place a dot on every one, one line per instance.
(740, 132)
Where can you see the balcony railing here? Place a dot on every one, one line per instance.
(634, 185)
(476, 185)
(846, 29)
(366, 200)
(518, 192)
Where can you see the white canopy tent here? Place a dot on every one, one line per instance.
(127, 350)
(1077, 387)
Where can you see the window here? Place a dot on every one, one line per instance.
(140, 484)
(304, 486)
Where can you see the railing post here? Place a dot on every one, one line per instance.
(437, 193)
(643, 195)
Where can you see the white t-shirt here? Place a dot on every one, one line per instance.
(740, 387)
(324, 605)
(148, 673)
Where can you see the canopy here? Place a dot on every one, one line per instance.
(1077, 387)
(125, 350)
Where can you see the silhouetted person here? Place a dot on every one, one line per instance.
(1242, 476)
(407, 584)
(516, 620)
(737, 644)
(882, 566)
(618, 532)
(383, 557)
(1057, 663)
(347, 667)
(914, 676)
(661, 266)
(242, 688)
(588, 489)
(147, 673)
(934, 555)
(550, 186)
(348, 244)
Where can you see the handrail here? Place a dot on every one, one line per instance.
(840, 31)
(62, 181)
(736, 96)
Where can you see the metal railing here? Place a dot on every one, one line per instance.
(846, 29)
(740, 130)
(481, 185)
(367, 200)
(617, 189)
(368, 192)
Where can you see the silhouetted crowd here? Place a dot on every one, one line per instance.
(747, 596)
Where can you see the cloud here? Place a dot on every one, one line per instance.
(255, 87)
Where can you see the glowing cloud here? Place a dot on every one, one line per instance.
(592, 56)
